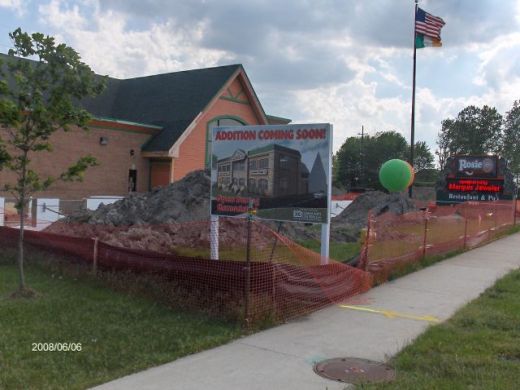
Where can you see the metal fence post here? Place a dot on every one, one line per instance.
(364, 258)
(95, 256)
(273, 269)
(495, 217)
(425, 233)
(514, 210)
(465, 245)
(248, 264)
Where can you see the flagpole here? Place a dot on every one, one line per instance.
(412, 126)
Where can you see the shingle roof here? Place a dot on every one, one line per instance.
(170, 100)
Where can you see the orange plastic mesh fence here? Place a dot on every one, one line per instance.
(394, 241)
(284, 280)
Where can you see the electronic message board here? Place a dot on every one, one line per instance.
(474, 178)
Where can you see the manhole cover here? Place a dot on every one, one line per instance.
(355, 371)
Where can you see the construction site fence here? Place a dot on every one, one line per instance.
(260, 273)
(281, 280)
(394, 241)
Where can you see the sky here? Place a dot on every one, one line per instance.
(345, 62)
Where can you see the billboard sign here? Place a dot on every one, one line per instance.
(283, 171)
(475, 167)
(474, 178)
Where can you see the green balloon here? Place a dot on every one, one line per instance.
(395, 175)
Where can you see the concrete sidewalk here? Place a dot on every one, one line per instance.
(282, 358)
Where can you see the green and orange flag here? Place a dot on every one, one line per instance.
(427, 29)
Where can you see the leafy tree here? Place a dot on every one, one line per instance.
(38, 98)
(423, 157)
(357, 162)
(443, 151)
(474, 131)
(511, 144)
(347, 163)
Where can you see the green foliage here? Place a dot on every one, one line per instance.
(357, 162)
(511, 146)
(423, 157)
(38, 98)
(475, 131)
(426, 176)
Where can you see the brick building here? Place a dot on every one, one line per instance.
(272, 171)
(150, 131)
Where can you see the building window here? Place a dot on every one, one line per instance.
(262, 186)
(284, 185)
(252, 164)
(224, 168)
(252, 186)
(263, 163)
(239, 166)
(285, 162)
(223, 121)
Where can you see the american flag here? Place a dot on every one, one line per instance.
(427, 24)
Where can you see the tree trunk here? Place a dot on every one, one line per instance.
(21, 210)
(20, 243)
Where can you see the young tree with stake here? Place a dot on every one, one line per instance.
(37, 98)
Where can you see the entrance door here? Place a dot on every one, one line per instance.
(159, 173)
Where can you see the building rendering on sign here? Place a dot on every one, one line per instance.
(150, 131)
(269, 171)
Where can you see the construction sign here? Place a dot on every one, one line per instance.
(282, 172)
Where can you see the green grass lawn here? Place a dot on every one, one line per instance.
(119, 334)
(339, 251)
(478, 348)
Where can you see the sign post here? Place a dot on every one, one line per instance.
(214, 237)
(2, 211)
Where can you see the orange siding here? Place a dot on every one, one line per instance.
(192, 151)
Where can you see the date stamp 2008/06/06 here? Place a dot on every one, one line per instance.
(56, 347)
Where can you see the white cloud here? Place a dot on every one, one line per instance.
(323, 62)
(107, 42)
(16, 5)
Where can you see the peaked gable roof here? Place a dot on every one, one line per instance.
(169, 100)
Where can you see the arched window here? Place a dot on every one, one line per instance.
(215, 122)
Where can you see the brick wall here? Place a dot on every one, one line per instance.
(109, 178)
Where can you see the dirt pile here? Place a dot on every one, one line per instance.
(173, 219)
(346, 226)
(177, 217)
(182, 201)
(356, 213)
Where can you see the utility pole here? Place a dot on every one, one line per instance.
(362, 157)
